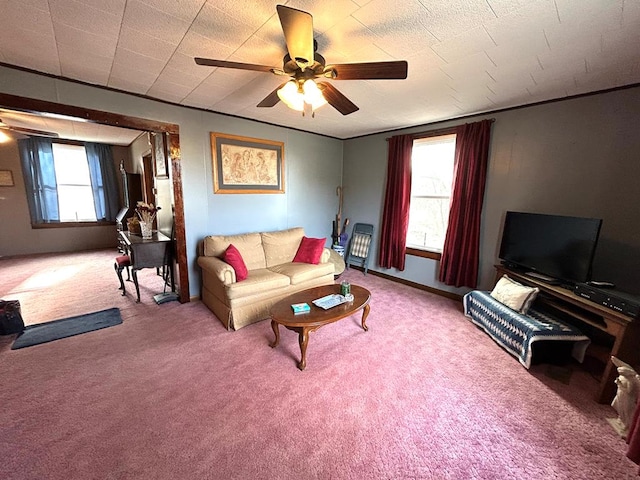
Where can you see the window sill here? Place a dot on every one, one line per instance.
(72, 224)
(423, 253)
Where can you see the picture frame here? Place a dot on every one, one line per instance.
(6, 178)
(246, 165)
(160, 155)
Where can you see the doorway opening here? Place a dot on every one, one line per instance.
(174, 171)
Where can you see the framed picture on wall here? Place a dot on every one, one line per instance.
(6, 178)
(246, 165)
(160, 155)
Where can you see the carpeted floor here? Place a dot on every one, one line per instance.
(170, 394)
(50, 287)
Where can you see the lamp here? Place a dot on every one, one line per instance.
(291, 97)
(295, 95)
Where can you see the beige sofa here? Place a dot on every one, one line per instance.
(272, 274)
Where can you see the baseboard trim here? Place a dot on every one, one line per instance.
(419, 286)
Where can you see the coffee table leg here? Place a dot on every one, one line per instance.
(276, 330)
(365, 314)
(303, 340)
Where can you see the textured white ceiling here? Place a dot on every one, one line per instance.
(465, 56)
(66, 127)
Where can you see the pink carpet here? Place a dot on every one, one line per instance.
(170, 394)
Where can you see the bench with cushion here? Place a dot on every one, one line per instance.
(516, 326)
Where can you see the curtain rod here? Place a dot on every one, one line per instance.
(433, 133)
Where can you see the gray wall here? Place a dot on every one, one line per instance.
(313, 166)
(575, 157)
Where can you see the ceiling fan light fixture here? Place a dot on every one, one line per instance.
(295, 96)
(312, 94)
(291, 96)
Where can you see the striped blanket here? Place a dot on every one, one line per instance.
(516, 332)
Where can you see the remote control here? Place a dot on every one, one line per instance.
(594, 283)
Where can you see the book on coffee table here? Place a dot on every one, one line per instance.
(329, 301)
(300, 308)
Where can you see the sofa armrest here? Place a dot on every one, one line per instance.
(326, 253)
(221, 270)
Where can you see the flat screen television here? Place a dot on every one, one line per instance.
(556, 246)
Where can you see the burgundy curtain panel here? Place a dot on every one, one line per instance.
(461, 251)
(395, 217)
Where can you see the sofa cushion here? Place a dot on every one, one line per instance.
(233, 257)
(310, 250)
(280, 247)
(249, 245)
(303, 272)
(258, 281)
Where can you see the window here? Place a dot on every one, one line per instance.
(432, 162)
(75, 194)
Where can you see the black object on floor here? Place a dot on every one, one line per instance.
(10, 317)
(553, 352)
(67, 327)
(560, 373)
(165, 297)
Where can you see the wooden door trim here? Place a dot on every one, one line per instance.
(36, 106)
(180, 226)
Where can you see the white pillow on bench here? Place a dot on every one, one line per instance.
(514, 295)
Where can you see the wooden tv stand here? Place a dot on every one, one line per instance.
(624, 330)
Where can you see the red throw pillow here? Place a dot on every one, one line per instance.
(232, 257)
(310, 250)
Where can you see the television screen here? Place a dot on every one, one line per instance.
(557, 246)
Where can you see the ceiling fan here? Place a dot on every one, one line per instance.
(27, 131)
(304, 65)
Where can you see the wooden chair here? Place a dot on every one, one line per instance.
(359, 246)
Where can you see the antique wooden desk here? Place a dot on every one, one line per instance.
(154, 252)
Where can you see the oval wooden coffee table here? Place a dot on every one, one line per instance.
(304, 323)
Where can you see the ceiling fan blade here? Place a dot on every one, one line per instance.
(30, 131)
(298, 33)
(396, 70)
(240, 66)
(271, 99)
(336, 99)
